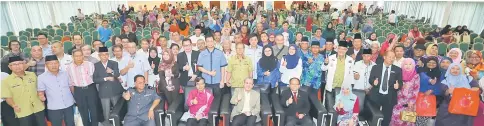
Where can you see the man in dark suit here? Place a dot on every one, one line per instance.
(105, 74)
(356, 51)
(387, 80)
(187, 62)
(296, 105)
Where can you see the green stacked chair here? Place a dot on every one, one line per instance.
(139, 29)
(76, 33)
(147, 37)
(67, 46)
(473, 35)
(139, 33)
(71, 28)
(30, 30)
(36, 32)
(428, 43)
(117, 31)
(396, 31)
(301, 29)
(379, 32)
(81, 30)
(453, 45)
(67, 33)
(59, 32)
(34, 43)
(95, 34)
(84, 24)
(23, 44)
(388, 31)
(51, 32)
(478, 46)
(442, 48)
(88, 40)
(57, 38)
(167, 35)
(27, 51)
(10, 34)
(4, 40)
(23, 38)
(90, 25)
(147, 29)
(293, 30)
(464, 47)
(49, 26)
(478, 40)
(158, 29)
(27, 33)
(146, 32)
(308, 34)
(63, 27)
(381, 39)
(10, 38)
(482, 52)
(108, 44)
(86, 33)
(20, 33)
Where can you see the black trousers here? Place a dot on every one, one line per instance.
(66, 114)
(293, 121)
(217, 91)
(87, 100)
(195, 122)
(36, 119)
(8, 115)
(387, 108)
(244, 120)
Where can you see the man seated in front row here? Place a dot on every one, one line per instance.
(296, 105)
(141, 104)
(247, 105)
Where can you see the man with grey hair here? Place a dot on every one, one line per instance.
(280, 49)
(247, 104)
(36, 63)
(86, 51)
(137, 65)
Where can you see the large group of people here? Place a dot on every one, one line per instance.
(239, 49)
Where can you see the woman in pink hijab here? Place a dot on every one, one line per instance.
(455, 54)
(407, 96)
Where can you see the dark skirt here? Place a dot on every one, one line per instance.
(444, 118)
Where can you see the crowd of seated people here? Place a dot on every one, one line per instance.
(248, 65)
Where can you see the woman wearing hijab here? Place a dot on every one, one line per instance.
(430, 78)
(291, 66)
(184, 27)
(407, 96)
(329, 32)
(454, 78)
(174, 26)
(154, 61)
(347, 106)
(169, 77)
(154, 36)
(408, 48)
(444, 65)
(415, 33)
(432, 51)
(475, 66)
(436, 33)
(455, 54)
(268, 68)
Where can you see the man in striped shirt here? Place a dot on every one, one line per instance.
(84, 90)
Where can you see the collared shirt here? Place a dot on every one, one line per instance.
(141, 66)
(364, 72)
(140, 104)
(80, 75)
(254, 55)
(311, 75)
(122, 63)
(382, 76)
(399, 62)
(189, 58)
(146, 54)
(104, 33)
(239, 69)
(195, 39)
(95, 55)
(321, 41)
(284, 50)
(57, 90)
(46, 50)
(247, 106)
(39, 67)
(65, 61)
(4, 61)
(23, 91)
(214, 60)
(339, 74)
(91, 59)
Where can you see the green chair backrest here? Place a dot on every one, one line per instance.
(4, 40)
(453, 45)
(478, 46)
(67, 46)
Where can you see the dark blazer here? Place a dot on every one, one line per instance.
(107, 89)
(302, 105)
(131, 36)
(395, 75)
(182, 61)
(326, 56)
(175, 80)
(359, 55)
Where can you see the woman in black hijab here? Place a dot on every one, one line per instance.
(268, 68)
(154, 61)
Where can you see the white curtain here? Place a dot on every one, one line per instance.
(467, 13)
(17, 16)
(428, 9)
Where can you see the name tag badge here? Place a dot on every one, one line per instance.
(146, 95)
(392, 72)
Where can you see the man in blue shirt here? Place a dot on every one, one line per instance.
(141, 104)
(317, 37)
(104, 32)
(212, 63)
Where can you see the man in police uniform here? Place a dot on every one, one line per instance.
(141, 104)
(19, 90)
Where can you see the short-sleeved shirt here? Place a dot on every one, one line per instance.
(65, 61)
(46, 51)
(141, 66)
(239, 69)
(140, 103)
(23, 91)
(321, 41)
(57, 90)
(104, 34)
(214, 60)
(254, 55)
(122, 63)
(39, 67)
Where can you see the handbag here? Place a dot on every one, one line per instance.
(464, 102)
(426, 105)
(408, 116)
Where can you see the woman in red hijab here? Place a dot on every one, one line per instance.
(388, 44)
(415, 33)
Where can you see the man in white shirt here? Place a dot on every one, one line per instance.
(64, 59)
(198, 35)
(399, 52)
(144, 48)
(254, 52)
(392, 18)
(362, 70)
(80, 15)
(371, 10)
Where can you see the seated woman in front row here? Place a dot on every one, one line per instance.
(347, 106)
(199, 102)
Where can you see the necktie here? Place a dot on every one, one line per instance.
(294, 97)
(385, 80)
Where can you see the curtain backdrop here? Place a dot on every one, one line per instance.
(17, 16)
(461, 13)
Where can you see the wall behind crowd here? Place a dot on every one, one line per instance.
(19, 15)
